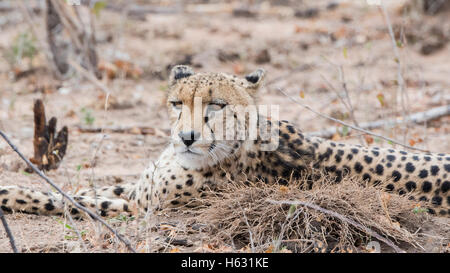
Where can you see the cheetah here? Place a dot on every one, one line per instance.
(199, 159)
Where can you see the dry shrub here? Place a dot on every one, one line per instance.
(350, 214)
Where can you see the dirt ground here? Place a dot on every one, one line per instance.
(301, 53)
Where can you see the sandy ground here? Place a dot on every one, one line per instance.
(354, 36)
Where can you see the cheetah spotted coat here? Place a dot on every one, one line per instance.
(177, 179)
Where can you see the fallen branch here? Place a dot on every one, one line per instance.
(8, 231)
(68, 197)
(420, 117)
(350, 125)
(134, 130)
(342, 218)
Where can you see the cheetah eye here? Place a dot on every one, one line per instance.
(176, 104)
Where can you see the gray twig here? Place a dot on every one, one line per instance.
(348, 124)
(8, 231)
(68, 197)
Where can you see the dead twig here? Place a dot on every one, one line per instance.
(420, 117)
(400, 81)
(342, 218)
(68, 197)
(134, 130)
(350, 125)
(8, 231)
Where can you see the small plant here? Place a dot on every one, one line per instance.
(23, 47)
(419, 209)
(87, 116)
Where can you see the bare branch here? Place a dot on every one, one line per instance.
(350, 125)
(68, 197)
(419, 117)
(8, 231)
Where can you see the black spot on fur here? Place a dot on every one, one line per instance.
(74, 211)
(367, 177)
(368, 159)
(445, 186)
(390, 157)
(447, 167)
(434, 170)
(379, 169)
(49, 206)
(410, 167)
(358, 167)
(3, 192)
(337, 158)
(105, 204)
(291, 129)
(436, 200)
(390, 187)
(396, 175)
(20, 201)
(6, 209)
(410, 185)
(427, 186)
(355, 151)
(376, 153)
(423, 174)
(189, 182)
(118, 191)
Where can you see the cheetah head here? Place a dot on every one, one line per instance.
(206, 114)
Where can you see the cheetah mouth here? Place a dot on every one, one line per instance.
(189, 152)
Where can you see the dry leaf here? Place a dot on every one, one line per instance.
(369, 139)
(284, 189)
(302, 94)
(336, 137)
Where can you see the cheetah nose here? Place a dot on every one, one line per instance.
(189, 137)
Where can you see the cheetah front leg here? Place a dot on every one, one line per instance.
(124, 191)
(17, 199)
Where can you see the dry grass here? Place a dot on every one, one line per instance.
(249, 217)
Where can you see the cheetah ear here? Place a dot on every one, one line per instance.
(178, 72)
(255, 78)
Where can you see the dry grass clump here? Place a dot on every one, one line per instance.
(330, 217)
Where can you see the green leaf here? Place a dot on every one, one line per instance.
(345, 52)
(98, 6)
(292, 209)
(344, 131)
